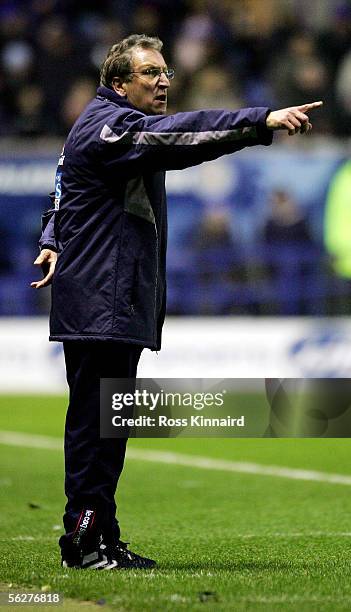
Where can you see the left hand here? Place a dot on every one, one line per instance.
(47, 260)
(293, 119)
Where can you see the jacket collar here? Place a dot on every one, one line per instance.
(110, 94)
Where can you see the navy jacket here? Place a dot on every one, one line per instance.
(109, 222)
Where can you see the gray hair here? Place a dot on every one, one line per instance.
(118, 62)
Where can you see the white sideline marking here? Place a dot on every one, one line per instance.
(237, 536)
(14, 438)
(207, 463)
(28, 538)
(5, 482)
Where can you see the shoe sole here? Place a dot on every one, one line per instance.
(105, 564)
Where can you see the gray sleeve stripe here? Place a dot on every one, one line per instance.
(177, 138)
(108, 135)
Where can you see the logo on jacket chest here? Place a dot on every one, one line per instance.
(58, 189)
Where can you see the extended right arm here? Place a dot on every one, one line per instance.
(161, 142)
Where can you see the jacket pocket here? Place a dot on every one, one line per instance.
(127, 290)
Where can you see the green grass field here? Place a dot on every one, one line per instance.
(223, 540)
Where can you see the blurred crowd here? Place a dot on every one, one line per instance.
(285, 270)
(226, 53)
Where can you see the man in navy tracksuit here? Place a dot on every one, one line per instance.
(109, 227)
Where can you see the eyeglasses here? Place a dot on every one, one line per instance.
(153, 73)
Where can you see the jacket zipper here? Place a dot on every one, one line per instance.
(134, 287)
(156, 283)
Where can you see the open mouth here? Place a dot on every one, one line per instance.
(161, 98)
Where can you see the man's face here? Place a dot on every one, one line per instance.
(146, 93)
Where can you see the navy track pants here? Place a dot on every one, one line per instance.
(93, 465)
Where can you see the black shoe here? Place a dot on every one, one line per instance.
(97, 559)
(126, 559)
(108, 558)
